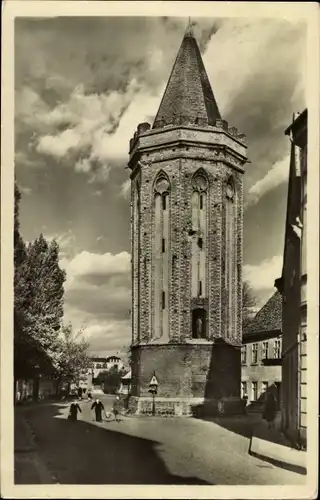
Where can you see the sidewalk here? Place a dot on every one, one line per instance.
(28, 466)
(272, 446)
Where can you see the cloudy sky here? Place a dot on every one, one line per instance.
(81, 87)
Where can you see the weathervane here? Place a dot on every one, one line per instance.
(189, 27)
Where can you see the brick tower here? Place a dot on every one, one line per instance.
(186, 232)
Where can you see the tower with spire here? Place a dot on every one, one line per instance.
(186, 233)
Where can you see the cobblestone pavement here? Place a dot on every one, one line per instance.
(148, 450)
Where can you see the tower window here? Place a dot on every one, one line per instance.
(200, 243)
(163, 300)
(163, 245)
(201, 201)
(200, 288)
(199, 317)
(164, 202)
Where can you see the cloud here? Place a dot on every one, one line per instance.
(66, 242)
(257, 71)
(262, 276)
(125, 189)
(278, 174)
(98, 297)
(25, 190)
(86, 263)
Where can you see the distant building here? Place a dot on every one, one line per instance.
(292, 285)
(261, 353)
(100, 364)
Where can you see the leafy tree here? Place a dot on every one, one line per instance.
(111, 379)
(249, 303)
(72, 358)
(38, 302)
(44, 301)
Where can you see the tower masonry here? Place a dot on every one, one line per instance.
(186, 233)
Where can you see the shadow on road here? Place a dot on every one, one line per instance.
(84, 453)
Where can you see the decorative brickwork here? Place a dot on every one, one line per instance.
(177, 149)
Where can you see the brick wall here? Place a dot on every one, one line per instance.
(189, 370)
(197, 369)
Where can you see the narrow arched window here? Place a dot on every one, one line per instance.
(201, 201)
(160, 255)
(230, 259)
(199, 231)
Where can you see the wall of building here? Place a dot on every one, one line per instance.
(179, 163)
(293, 287)
(262, 372)
(187, 371)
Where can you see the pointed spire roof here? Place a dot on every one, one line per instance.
(188, 97)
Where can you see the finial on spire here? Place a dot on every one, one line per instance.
(189, 30)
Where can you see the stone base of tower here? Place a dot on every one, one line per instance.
(184, 407)
(195, 379)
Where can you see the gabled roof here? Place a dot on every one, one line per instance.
(188, 94)
(268, 319)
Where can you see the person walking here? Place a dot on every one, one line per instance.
(98, 407)
(245, 402)
(270, 410)
(116, 408)
(74, 409)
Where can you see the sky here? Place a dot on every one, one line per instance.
(82, 85)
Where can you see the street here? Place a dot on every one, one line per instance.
(145, 450)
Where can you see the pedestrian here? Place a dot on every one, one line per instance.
(74, 409)
(116, 408)
(245, 402)
(89, 396)
(98, 407)
(80, 393)
(18, 396)
(270, 410)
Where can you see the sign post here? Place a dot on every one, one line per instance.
(153, 388)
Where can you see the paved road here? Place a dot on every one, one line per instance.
(147, 450)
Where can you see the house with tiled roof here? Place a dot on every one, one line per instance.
(261, 353)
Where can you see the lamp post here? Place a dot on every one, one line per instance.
(153, 388)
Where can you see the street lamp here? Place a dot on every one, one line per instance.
(153, 388)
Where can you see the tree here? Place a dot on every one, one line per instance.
(38, 302)
(72, 358)
(249, 303)
(111, 379)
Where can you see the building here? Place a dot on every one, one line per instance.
(187, 229)
(101, 364)
(292, 285)
(261, 354)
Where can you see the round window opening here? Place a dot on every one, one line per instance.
(199, 183)
(162, 185)
(230, 191)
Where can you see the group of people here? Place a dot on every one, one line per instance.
(98, 408)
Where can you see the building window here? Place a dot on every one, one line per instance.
(200, 243)
(201, 201)
(200, 288)
(163, 245)
(244, 355)
(265, 350)
(164, 202)
(243, 389)
(254, 354)
(199, 317)
(277, 349)
(163, 300)
(254, 391)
